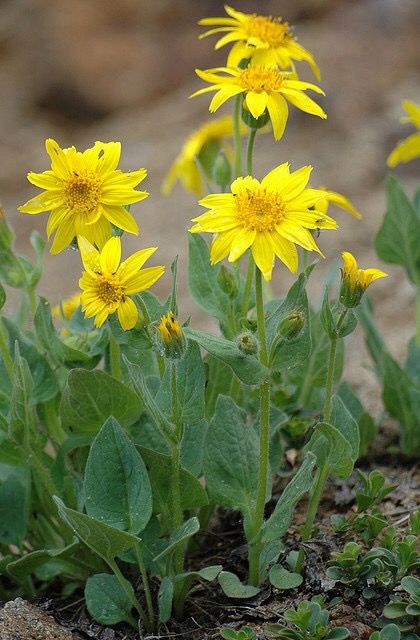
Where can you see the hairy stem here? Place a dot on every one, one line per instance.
(237, 135)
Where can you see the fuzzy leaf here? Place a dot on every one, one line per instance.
(203, 279)
(283, 579)
(106, 600)
(233, 588)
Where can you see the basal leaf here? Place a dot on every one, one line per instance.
(165, 597)
(106, 600)
(233, 588)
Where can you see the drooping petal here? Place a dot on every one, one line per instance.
(263, 254)
(56, 217)
(121, 218)
(304, 102)
(223, 95)
(285, 251)
(406, 150)
(279, 111)
(127, 314)
(299, 235)
(243, 240)
(256, 102)
(64, 235)
(221, 244)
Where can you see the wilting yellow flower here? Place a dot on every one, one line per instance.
(355, 281)
(85, 193)
(185, 167)
(270, 216)
(107, 285)
(171, 336)
(409, 148)
(267, 40)
(339, 200)
(263, 88)
(67, 307)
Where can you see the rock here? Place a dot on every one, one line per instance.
(20, 620)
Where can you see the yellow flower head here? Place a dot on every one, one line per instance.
(263, 88)
(107, 285)
(67, 307)
(266, 40)
(409, 148)
(271, 217)
(85, 193)
(185, 167)
(171, 336)
(355, 281)
(339, 200)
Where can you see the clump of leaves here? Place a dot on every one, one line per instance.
(389, 632)
(245, 633)
(310, 621)
(368, 520)
(405, 609)
(379, 568)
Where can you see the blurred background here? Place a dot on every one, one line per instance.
(105, 70)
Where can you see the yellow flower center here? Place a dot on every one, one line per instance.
(256, 78)
(259, 210)
(109, 289)
(271, 31)
(82, 192)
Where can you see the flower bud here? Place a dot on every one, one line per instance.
(355, 281)
(222, 171)
(228, 282)
(254, 123)
(247, 343)
(291, 326)
(170, 338)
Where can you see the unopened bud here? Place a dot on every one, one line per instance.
(247, 343)
(291, 326)
(228, 282)
(222, 171)
(254, 123)
(170, 338)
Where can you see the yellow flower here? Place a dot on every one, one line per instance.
(409, 148)
(172, 339)
(339, 200)
(185, 167)
(263, 88)
(267, 40)
(67, 307)
(355, 281)
(270, 216)
(107, 285)
(85, 193)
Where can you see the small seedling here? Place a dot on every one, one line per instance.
(310, 621)
(245, 633)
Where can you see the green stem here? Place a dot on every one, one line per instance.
(250, 150)
(258, 519)
(4, 350)
(130, 595)
(418, 316)
(203, 174)
(176, 470)
(145, 579)
(53, 423)
(237, 134)
(161, 365)
(324, 470)
(248, 285)
(115, 357)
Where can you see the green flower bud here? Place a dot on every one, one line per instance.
(255, 123)
(247, 343)
(291, 326)
(228, 282)
(222, 171)
(169, 337)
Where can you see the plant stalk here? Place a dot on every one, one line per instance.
(4, 350)
(250, 150)
(418, 316)
(256, 547)
(146, 585)
(115, 357)
(237, 135)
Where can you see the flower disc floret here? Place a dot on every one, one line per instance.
(107, 283)
(267, 40)
(264, 88)
(271, 217)
(85, 193)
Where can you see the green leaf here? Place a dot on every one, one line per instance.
(180, 536)
(397, 239)
(374, 341)
(49, 339)
(190, 386)
(203, 279)
(45, 385)
(278, 523)
(339, 633)
(192, 447)
(402, 400)
(329, 445)
(27, 564)
(106, 600)
(193, 494)
(344, 422)
(233, 588)
(367, 427)
(283, 579)
(248, 368)
(104, 540)
(116, 485)
(390, 632)
(14, 511)
(165, 597)
(291, 354)
(231, 458)
(21, 419)
(208, 574)
(412, 365)
(90, 397)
